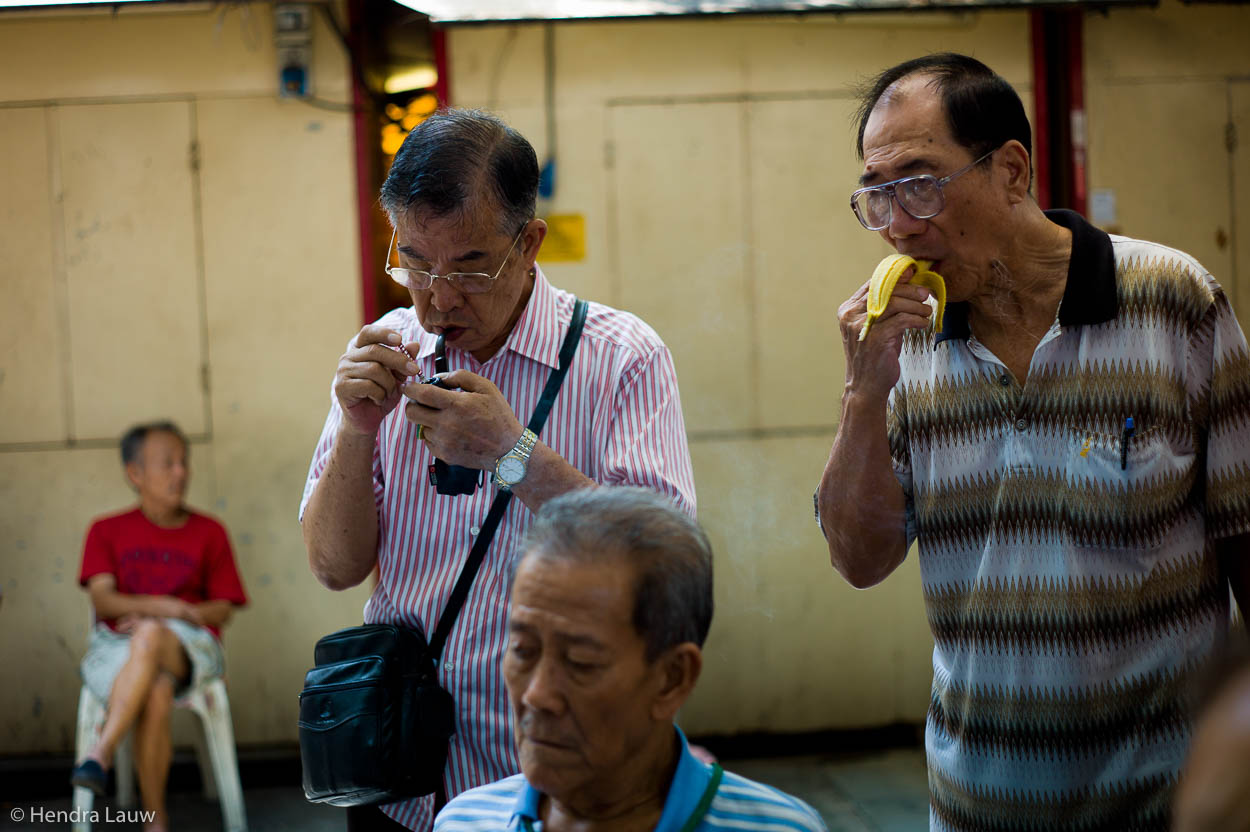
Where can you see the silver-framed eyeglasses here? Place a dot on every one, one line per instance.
(920, 196)
(471, 283)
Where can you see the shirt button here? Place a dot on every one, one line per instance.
(449, 667)
(475, 530)
(1021, 424)
(1004, 380)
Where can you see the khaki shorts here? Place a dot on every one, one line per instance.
(108, 651)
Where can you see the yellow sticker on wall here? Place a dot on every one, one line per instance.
(566, 239)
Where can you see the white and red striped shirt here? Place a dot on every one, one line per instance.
(617, 419)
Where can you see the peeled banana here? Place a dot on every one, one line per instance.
(887, 275)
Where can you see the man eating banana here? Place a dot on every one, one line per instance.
(1070, 452)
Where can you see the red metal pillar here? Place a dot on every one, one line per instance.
(365, 134)
(1059, 108)
(442, 87)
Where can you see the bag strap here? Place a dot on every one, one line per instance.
(500, 504)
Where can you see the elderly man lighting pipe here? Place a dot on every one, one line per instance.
(461, 195)
(611, 602)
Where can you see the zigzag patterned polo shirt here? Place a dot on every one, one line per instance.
(1069, 565)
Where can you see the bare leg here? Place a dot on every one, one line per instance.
(154, 748)
(153, 649)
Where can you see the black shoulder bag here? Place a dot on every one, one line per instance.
(373, 720)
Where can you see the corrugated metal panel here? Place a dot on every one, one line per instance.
(488, 11)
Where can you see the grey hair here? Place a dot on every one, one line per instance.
(670, 553)
(456, 157)
(132, 441)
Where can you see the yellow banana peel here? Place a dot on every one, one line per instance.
(886, 276)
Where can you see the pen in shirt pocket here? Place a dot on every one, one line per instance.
(1125, 436)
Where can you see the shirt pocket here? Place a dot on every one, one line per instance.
(1116, 500)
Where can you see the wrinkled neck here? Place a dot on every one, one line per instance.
(629, 801)
(1024, 283)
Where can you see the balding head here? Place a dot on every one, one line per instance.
(982, 110)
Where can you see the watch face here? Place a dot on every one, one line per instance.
(511, 469)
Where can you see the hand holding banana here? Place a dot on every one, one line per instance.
(887, 275)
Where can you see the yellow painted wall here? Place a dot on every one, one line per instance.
(711, 158)
(137, 287)
(1163, 89)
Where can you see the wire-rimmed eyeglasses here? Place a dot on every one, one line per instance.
(920, 196)
(471, 283)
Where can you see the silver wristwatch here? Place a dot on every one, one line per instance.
(510, 468)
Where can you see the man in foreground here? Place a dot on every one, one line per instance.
(611, 603)
(1070, 452)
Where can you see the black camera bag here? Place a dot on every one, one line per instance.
(373, 699)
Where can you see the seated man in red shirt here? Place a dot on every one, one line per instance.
(163, 581)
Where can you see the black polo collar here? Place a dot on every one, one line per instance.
(1090, 294)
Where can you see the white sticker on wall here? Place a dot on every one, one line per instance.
(1102, 207)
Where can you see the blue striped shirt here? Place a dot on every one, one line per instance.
(739, 804)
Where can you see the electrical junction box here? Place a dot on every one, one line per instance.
(292, 31)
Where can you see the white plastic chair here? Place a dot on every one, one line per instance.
(214, 751)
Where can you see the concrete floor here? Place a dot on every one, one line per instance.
(879, 791)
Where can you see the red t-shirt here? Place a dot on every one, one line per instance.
(192, 562)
